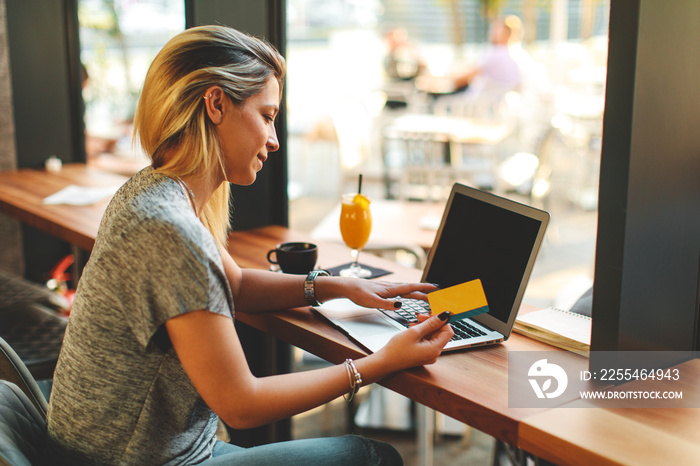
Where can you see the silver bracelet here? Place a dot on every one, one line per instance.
(310, 286)
(355, 379)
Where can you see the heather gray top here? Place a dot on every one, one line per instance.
(120, 395)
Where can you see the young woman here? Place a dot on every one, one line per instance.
(151, 359)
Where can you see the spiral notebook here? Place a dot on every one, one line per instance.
(557, 327)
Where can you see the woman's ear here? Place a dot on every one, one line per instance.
(214, 103)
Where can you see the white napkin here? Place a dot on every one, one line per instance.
(80, 195)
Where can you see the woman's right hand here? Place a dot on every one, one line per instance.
(419, 344)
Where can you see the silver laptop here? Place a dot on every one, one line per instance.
(482, 236)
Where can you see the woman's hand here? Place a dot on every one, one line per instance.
(371, 293)
(419, 344)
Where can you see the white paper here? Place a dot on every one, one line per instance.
(80, 195)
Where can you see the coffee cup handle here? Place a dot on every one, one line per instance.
(269, 259)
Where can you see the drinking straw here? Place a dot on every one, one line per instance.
(359, 185)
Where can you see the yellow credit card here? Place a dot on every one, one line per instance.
(463, 300)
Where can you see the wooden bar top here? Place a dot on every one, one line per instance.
(468, 385)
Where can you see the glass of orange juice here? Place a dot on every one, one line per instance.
(355, 227)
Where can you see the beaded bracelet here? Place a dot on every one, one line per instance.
(355, 380)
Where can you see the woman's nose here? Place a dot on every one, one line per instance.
(272, 142)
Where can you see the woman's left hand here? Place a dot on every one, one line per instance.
(381, 294)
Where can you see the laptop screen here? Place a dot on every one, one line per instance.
(490, 238)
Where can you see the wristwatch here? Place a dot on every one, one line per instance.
(310, 286)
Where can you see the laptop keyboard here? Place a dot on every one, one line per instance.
(463, 330)
(410, 307)
(406, 316)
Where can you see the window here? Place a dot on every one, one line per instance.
(119, 39)
(344, 104)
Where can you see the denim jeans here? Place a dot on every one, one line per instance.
(348, 450)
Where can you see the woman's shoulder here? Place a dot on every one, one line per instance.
(152, 202)
(144, 181)
(144, 193)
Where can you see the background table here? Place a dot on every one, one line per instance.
(22, 193)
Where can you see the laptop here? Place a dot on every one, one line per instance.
(481, 236)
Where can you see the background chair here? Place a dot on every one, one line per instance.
(14, 290)
(13, 370)
(36, 333)
(22, 412)
(484, 121)
(31, 323)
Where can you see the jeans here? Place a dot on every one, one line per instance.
(348, 450)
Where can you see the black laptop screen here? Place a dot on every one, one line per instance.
(482, 240)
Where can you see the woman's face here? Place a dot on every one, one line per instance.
(247, 134)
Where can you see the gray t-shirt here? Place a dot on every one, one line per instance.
(120, 395)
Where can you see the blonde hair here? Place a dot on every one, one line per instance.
(171, 112)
